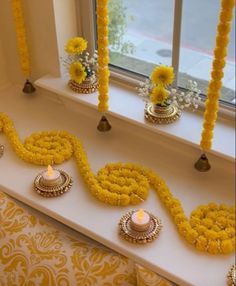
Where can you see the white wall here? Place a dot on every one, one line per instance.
(48, 23)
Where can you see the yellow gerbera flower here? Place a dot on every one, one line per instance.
(76, 45)
(163, 75)
(77, 72)
(159, 95)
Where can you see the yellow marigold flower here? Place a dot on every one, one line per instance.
(77, 72)
(76, 45)
(163, 75)
(102, 107)
(210, 116)
(215, 85)
(217, 75)
(179, 218)
(222, 41)
(227, 246)
(159, 95)
(102, 2)
(201, 229)
(201, 243)
(227, 4)
(226, 16)
(220, 53)
(102, 10)
(223, 29)
(205, 144)
(102, 21)
(103, 41)
(213, 247)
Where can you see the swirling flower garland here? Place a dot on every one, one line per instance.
(220, 52)
(21, 37)
(103, 54)
(211, 228)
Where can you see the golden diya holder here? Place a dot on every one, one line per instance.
(131, 230)
(231, 276)
(161, 114)
(86, 87)
(57, 185)
(1, 150)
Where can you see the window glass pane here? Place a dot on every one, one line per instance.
(199, 22)
(140, 33)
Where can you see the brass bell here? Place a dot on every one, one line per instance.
(103, 124)
(28, 87)
(202, 164)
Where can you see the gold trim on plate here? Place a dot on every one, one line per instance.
(161, 114)
(1, 150)
(85, 87)
(141, 237)
(53, 191)
(231, 276)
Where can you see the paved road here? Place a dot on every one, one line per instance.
(154, 18)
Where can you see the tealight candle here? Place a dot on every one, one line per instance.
(51, 178)
(140, 220)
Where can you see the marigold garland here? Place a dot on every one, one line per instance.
(211, 228)
(21, 37)
(215, 84)
(103, 54)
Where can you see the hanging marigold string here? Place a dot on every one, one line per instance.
(210, 228)
(103, 54)
(215, 84)
(21, 37)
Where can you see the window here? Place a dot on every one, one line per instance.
(171, 32)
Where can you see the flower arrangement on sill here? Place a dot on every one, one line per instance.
(80, 66)
(163, 102)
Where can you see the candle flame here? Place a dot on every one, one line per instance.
(140, 214)
(50, 171)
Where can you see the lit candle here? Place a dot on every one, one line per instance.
(51, 178)
(140, 220)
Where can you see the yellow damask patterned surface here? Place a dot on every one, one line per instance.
(34, 253)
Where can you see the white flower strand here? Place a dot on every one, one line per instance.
(183, 99)
(90, 63)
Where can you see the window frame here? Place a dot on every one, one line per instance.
(87, 28)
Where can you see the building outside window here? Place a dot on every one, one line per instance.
(141, 37)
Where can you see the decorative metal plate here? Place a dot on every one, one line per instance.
(84, 87)
(54, 191)
(141, 237)
(161, 114)
(232, 276)
(1, 150)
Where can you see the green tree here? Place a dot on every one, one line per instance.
(118, 21)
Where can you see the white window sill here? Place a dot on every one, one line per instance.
(126, 105)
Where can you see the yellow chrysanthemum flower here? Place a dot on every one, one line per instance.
(159, 95)
(76, 45)
(163, 75)
(77, 72)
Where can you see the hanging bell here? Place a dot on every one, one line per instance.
(103, 124)
(202, 164)
(28, 87)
